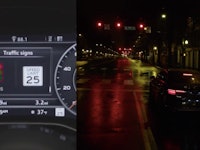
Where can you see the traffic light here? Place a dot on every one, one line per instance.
(99, 24)
(141, 26)
(118, 25)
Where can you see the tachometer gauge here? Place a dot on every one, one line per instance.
(64, 79)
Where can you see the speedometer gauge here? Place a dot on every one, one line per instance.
(64, 79)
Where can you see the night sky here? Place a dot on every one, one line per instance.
(88, 11)
(133, 8)
(131, 11)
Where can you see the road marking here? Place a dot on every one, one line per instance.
(122, 89)
(127, 69)
(106, 81)
(104, 68)
(128, 82)
(111, 90)
(149, 141)
(82, 81)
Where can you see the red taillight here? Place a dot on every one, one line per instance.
(171, 92)
(187, 74)
(174, 92)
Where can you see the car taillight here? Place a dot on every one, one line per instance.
(174, 92)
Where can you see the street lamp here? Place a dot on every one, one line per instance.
(164, 50)
(163, 16)
(184, 44)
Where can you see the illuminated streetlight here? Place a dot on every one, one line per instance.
(186, 42)
(163, 16)
(155, 48)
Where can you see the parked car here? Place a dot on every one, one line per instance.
(175, 90)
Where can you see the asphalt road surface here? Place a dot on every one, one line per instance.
(114, 113)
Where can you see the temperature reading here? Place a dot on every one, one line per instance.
(41, 112)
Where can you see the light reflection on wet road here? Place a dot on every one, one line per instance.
(113, 112)
(107, 117)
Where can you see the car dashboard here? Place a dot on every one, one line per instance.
(37, 78)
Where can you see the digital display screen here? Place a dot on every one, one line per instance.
(32, 75)
(27, 69)
(37, 76)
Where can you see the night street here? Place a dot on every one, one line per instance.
(114, 112)
(112, 98)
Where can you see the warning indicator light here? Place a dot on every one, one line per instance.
(1, 72)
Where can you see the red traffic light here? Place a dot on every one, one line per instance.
(118, 24)
(99, 24)
(141, 26)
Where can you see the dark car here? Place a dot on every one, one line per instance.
(176, 90)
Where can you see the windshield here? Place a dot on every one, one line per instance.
(125, 51)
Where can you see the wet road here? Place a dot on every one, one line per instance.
(109, 107)
(175, 131)
(114, 114)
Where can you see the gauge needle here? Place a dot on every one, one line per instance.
(73, 104)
